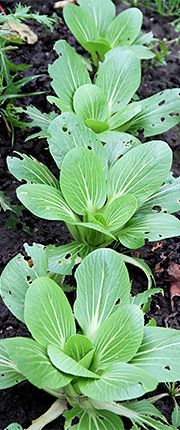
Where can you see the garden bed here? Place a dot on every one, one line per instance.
(23, 403)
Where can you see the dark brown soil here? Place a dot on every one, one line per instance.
(24, 402)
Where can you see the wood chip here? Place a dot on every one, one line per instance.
(61, 4)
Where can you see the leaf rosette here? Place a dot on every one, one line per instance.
(99, 31)
(112, 358)
(106, 194)
(107, 105)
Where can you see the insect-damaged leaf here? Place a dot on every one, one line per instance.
(18, 275)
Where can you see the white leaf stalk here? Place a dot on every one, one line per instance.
(57, 409)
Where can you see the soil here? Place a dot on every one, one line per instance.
(25, 402)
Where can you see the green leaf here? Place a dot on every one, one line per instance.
(119, 336)
(166, 199)
(125, 28)
(117, 144)
(102, 279)
(9, 374)
(96, 125)
(78, 346)
(31, 170)
(17, 276)
(101, 17)
(74, 74)
(39, 119)
(151, 227)
(39, 259)
(136, 412)
(90, 103)
(141, 171)
(48, 314)
(120, 381)
(80, 23)
(61, 259)
(92, 234)
(141, 298)
(119, 211)
(119, 86)
(176, 415)
(33, 361)
(138, 262)
(67, 364)
(92, 418)
(158, 113)
(99, 420)
(45, 202)
(159, 353)
(82, 181)
(123, 116)
(67, 132)
(141, 52)
(98, 49)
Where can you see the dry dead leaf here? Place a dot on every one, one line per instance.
(174, 277)
(21, 31)
(159, 245)
(61, 4)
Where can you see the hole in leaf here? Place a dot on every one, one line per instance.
(67, 256)
(3, 375)
(147, 190)
(178, 201)
(162, 119)
(174, 114)
(28, 279)
(161, 103)
(30, 262)
(128, 39)
(153, 125)
(157, 208)
(165, 212)
(117, 302)
(146, 232)
(160, 235)
(17, 381)
(162, 92)
(10, 293)
(70, 132)
(119, 101)
(167, 368)
(89, 147)
(64, 128)
(101, 418)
